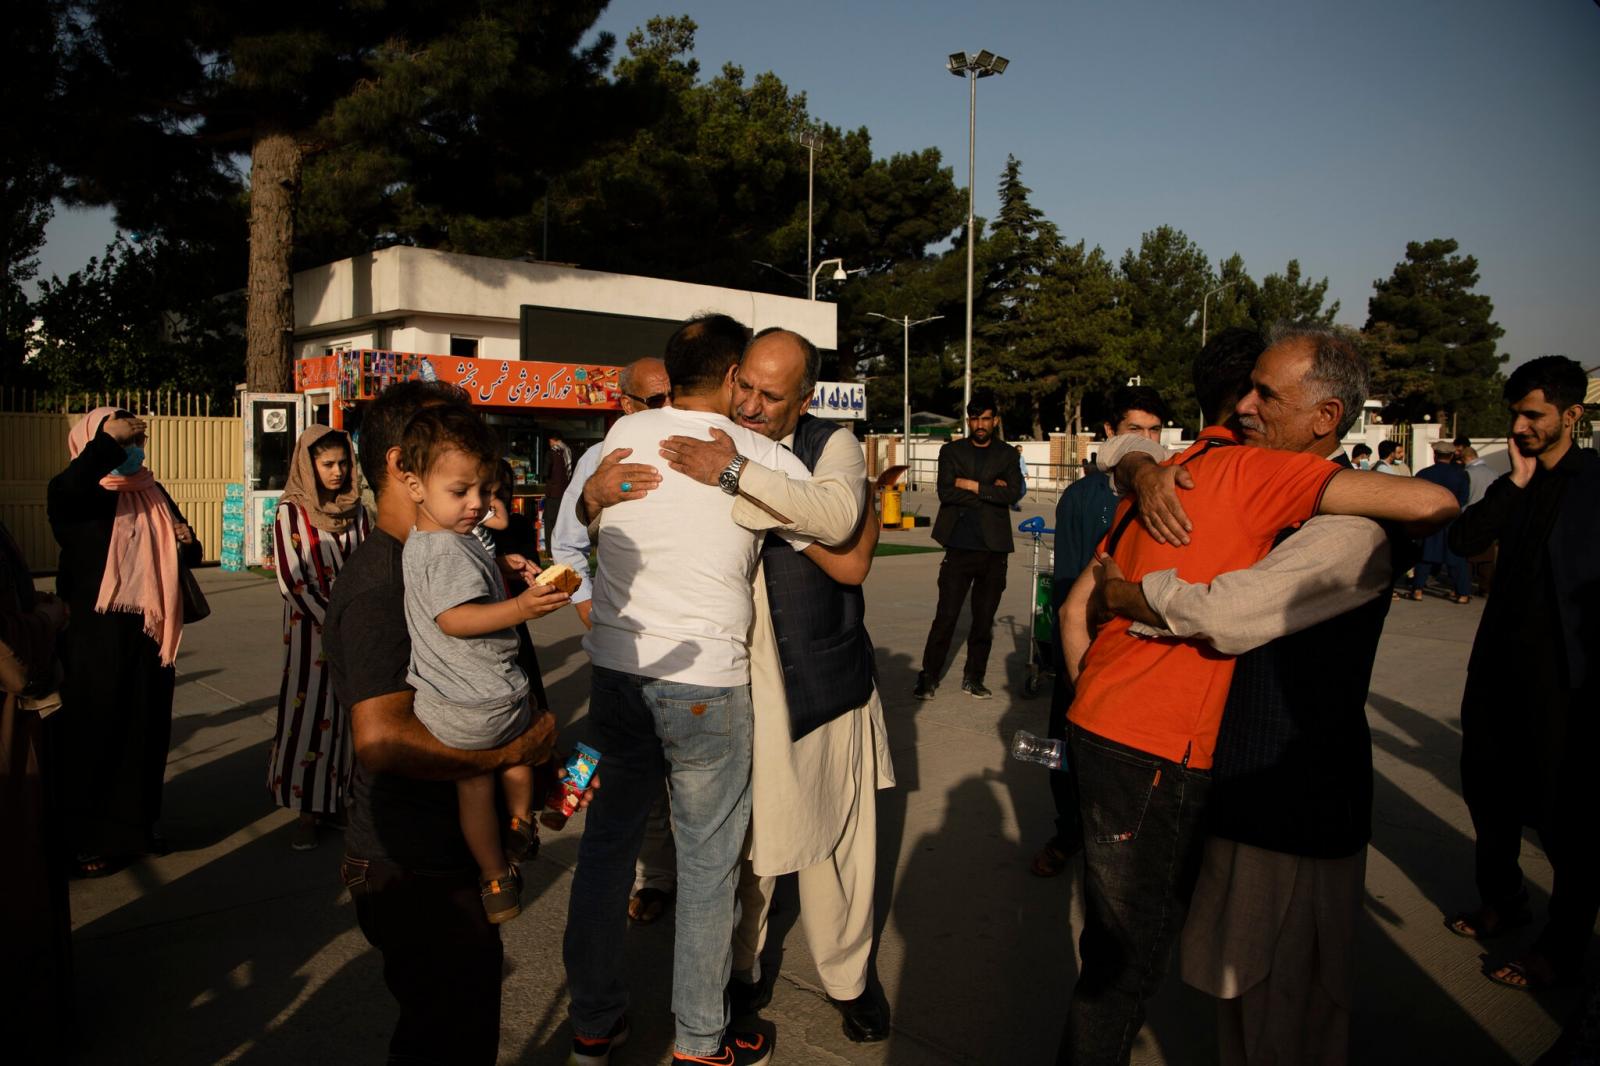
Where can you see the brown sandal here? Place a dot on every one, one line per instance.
(647, 905)
(1049, 860)
(1488, 922)
(1530, 973)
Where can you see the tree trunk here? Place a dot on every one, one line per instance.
(1038, 418)
(275, 162)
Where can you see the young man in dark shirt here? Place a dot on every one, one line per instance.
(406, 864)
(978, 483)
(1528, 728)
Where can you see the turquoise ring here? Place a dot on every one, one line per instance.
(627, 486)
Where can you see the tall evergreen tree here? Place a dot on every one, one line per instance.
(170, 96)
(1088, 344)
(1010, 323)
(1167, 278)
(1434, 338)
(1290, 297)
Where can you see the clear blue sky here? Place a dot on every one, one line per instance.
(1328, 132)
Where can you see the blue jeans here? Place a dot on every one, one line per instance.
(1142, 846)
(699, 739)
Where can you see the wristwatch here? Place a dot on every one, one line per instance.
(728, 480)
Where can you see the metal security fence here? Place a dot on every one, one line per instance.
(193, 454)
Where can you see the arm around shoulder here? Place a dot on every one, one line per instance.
(1420, 506)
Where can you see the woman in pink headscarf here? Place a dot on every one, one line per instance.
(121, 537)
(320, 522)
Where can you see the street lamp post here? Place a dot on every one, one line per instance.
(982, 65)
(810, 140)
(1203, 299)
(907, 325)
(838, 273)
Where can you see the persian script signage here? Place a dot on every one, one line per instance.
(839, 400)
(361, 375)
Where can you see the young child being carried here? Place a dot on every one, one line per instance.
(470, 693)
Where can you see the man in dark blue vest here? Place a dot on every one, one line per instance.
(820, 750)
(1272, 918)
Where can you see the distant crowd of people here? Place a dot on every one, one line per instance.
(1217, 787)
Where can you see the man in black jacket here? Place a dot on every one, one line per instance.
(978, 483)
(1528, 726)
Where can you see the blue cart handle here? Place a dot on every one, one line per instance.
(1035, 526)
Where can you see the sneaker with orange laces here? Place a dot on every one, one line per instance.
(738, 1049)
(502, 896)
(596, 1050)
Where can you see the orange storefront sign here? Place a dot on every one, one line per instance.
(362, 374)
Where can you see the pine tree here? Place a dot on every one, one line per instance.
(1434, 338)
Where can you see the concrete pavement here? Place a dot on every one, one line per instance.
(237, 949)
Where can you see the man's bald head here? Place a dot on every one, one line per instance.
(773, 386)
(644, 384)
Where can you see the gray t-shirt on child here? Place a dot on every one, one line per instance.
(471, 693)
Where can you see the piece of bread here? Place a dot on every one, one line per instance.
(561, 576)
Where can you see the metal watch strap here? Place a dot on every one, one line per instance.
(728, 480)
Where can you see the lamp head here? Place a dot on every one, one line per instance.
(957, 64)
(984, 60)
(999, 65)
(838, 273)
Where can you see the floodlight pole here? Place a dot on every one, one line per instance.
(1203, 319)
(972, 67)
(905, 379)
(808, 138)
(972, 154)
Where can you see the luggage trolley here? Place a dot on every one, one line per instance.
(1041, 615)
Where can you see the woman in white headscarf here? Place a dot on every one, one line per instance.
(320, 522)
(121, 539)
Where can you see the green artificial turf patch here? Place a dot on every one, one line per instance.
(905, 549)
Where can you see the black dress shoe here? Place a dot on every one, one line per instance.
(864, 1021)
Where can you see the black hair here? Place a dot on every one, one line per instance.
(383, 423)
(1222, 371)
(327, 442)
(1562, 381)
(813, 367)
(700, 352)
(1387, 448)
(1360, 450)
(1135, 398)
(982, 400)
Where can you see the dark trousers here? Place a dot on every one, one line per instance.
(1142, 845)
(984, 574)
(1455, 568)
(441, 960)
(1063, 786)
(1525, 761)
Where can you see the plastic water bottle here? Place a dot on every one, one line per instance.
(1043, 750)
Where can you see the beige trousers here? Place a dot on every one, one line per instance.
(835, 906)
(1273, 937)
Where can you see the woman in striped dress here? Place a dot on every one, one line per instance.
(320, 522)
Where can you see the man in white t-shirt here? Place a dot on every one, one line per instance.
(670, 696)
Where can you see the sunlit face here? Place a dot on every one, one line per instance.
(1538, 425)
(333, 469)
(1281, 411)
(1143, 423)
(454, 493)
(767, 393)
(981, 426)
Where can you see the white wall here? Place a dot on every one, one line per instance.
(402, 282)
